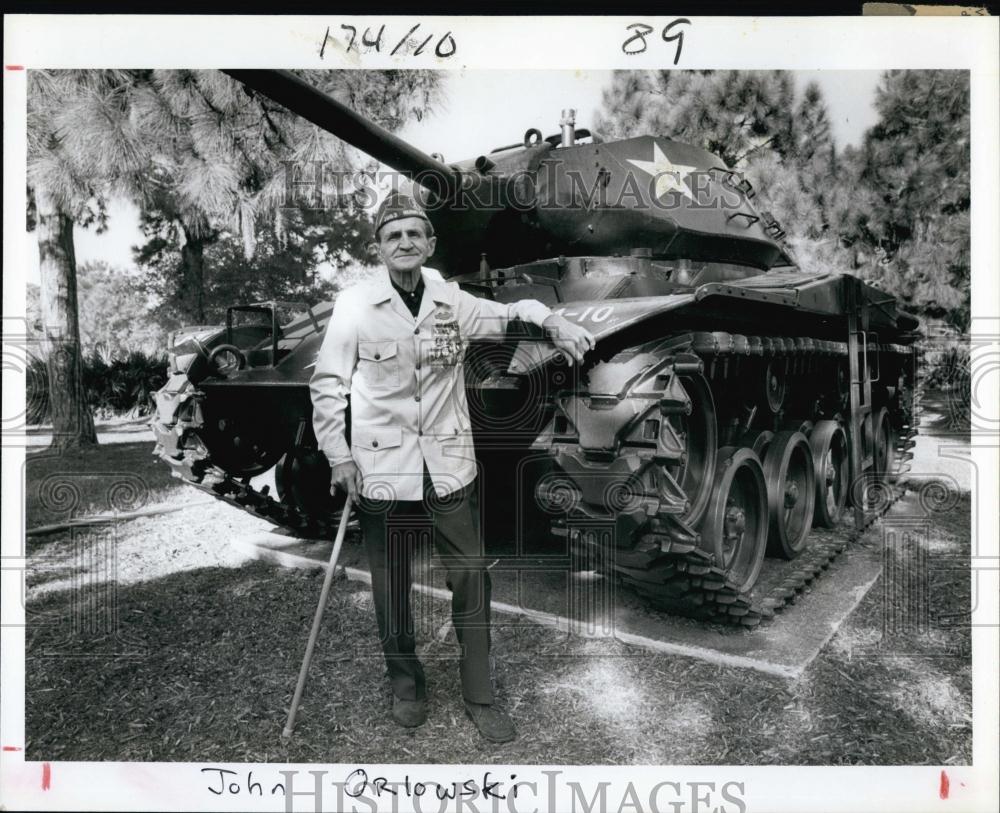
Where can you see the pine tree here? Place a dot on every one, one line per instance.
(68, 113)
(626, 102)
(815, 158)
(222, 159)
(203, 158)
(915, 164)
(733, 114)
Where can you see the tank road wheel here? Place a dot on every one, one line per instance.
(239, 445)
(758, 441)
(791, 493)
(794, 425)
(843, 391)
(735, 526)
(696, 434)
(883, 458)
(829, 450)
(775, 384)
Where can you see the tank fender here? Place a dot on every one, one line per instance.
(603, 318)
(621, 396)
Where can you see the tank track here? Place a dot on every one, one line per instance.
(175, 426)
(685, 582)
(259, 503)
(670, 570)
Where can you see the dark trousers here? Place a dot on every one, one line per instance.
(459, 544)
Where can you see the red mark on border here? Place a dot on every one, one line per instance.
(15, 67)
(945, 784)
(11, 748)
(46, 776)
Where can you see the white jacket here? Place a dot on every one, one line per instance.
(405, 379)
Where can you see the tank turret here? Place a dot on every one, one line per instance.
(558, 195)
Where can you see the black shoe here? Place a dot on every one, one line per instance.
(409, 713)
(492, 723)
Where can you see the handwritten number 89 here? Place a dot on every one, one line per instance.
(636, 43)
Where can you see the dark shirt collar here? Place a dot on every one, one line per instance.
(410, 299)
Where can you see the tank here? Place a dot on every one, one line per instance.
(733, 403)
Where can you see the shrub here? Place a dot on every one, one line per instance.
(117, 385)
(947, 365)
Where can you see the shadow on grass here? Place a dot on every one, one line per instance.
(201, 667)
(193, 666)
(118, 477)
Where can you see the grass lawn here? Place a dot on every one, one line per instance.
(119, 477)
(190, 653)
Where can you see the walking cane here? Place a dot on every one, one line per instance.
(317, 620)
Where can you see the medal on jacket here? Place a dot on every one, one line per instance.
(447, 348)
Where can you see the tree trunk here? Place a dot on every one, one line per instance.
(192, 292)
(72, 420)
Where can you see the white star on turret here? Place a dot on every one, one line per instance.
(667, 174)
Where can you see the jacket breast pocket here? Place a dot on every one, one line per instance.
(378, 364)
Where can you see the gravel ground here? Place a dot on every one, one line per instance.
(943, 443)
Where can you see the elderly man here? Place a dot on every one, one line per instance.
(396, 346)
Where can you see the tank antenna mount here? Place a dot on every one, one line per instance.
(568, 125)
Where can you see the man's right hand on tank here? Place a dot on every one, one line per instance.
(346, 477)
(574, 340)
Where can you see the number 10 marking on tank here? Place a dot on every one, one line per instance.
(594, 314)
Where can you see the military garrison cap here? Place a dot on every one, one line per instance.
(396, 207)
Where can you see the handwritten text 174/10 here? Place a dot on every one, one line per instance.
(380, 41)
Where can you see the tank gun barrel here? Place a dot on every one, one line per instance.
(324, 111)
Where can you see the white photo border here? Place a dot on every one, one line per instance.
(800, 43)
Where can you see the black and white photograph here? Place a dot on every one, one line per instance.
(415, 424)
